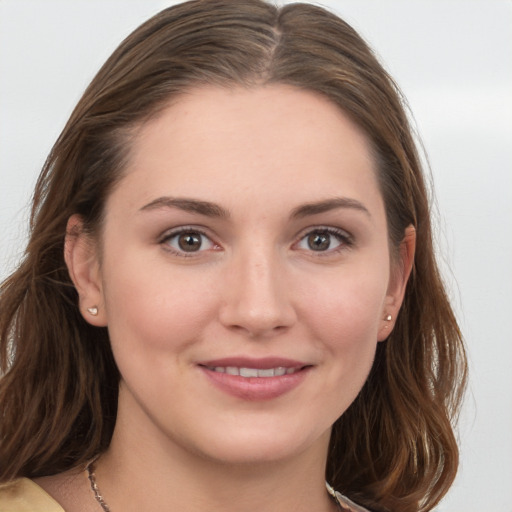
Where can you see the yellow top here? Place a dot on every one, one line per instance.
(24, 495)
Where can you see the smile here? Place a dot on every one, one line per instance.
(254, 372)
(255, 379)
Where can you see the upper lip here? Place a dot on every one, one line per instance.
(263, 363)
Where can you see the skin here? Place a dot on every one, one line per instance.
(255, 288)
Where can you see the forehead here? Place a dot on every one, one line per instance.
(270, 142)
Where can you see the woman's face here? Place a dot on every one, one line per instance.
(245, 274)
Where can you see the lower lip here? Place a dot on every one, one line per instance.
(256, 388)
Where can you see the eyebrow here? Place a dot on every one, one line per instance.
(188, 205)
(209, 209)
(328, 205)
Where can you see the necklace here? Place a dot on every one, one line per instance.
(94, 486)
(99, 498)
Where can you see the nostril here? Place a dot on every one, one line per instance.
(255, 330)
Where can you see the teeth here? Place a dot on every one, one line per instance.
(266, 373)
(254, 372)
(248, 372)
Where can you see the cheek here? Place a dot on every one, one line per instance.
(344, 321)
(155, 309)
(345, 312)
(341, 314)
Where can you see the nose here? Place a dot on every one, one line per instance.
(257, 300)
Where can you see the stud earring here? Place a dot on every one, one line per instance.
(93, 311)
(388, 318)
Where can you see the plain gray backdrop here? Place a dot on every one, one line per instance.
(453, 60)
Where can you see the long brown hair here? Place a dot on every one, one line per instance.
(394, 448)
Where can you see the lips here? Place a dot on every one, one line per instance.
(255, 379)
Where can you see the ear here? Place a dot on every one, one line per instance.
(400, 272)
(81, 256)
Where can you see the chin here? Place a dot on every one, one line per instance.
(263, 446)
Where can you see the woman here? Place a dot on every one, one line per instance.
(230, 294)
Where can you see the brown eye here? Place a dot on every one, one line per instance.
(189, 242)
(328, 240)
(185, 242)
(319, 241)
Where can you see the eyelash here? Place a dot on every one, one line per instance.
(345, 240)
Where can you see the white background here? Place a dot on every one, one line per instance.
(452, 58)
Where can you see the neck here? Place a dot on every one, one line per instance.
(147, 472)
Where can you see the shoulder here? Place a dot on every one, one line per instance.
(24, 495)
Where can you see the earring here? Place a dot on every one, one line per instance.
(93, 311)
(388, 318)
